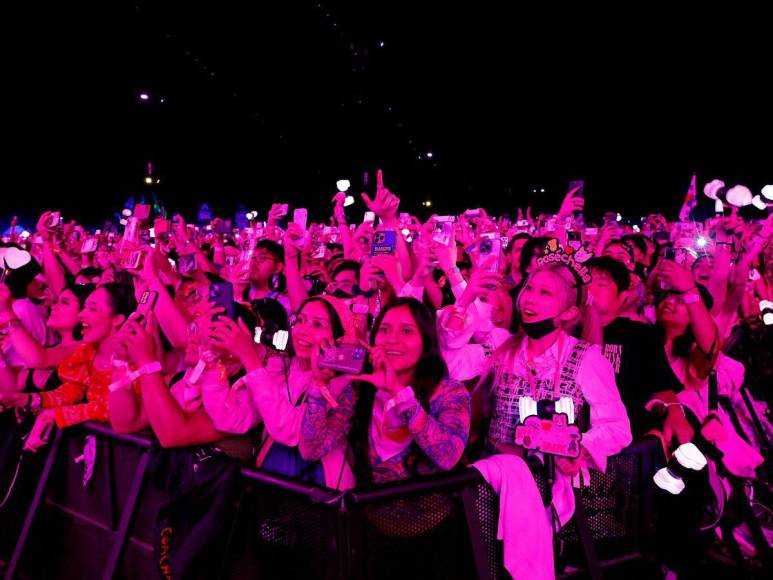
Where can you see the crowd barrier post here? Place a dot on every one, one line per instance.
(128, 514)
(29, 519)
(346, 554)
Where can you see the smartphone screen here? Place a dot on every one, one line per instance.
(146, 304)
(300, 216)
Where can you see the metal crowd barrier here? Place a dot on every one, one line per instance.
(439, 526)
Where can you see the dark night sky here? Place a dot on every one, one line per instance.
(505, 100)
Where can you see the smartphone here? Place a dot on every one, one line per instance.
(300, 216)
(54, 220)
(678, 255)
(283, 209)
(89, 245)
(319, 251)
(344, 358)
(146, 303)
(161, 226)
(472, 213)
(383, 243)
(131, 231)
(369, 217)
(222, 294)
(490, 245)
(142, 211)
(578, 184)
(186, 264)
(443, 232)
(134, 260)
(573, 236)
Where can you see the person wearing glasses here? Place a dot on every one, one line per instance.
(265, 274)
(278, 389)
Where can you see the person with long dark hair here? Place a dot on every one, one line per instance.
(277, 390)
(410, 419)
(87, 372)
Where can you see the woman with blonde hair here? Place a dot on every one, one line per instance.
(541, 367)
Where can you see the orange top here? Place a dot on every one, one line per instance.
(80, 380)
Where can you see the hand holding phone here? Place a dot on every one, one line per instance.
(142, 211)
(384, 243)
(300, 217)
(54, 220)
(186, 263)
(145, 305)
(222, 295)
(343, 358)
(490, 251)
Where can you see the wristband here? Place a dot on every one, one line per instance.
(655, 402)
(325, 392)
(150, 368)
(691, 298)
(403, 395)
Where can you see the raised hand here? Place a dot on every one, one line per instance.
(385, 204)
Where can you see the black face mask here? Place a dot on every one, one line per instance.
(342, 294)
(539, 329)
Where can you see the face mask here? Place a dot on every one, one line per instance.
(539, 329)
(338, 293)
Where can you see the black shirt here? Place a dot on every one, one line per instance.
(638, 357)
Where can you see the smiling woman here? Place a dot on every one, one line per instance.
(411, 418)
(287, 394)
(87, 372)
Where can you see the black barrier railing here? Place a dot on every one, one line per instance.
(286, 527)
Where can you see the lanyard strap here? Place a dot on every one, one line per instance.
(532, 371)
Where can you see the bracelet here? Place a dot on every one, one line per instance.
(325, 392)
